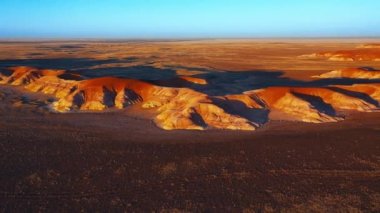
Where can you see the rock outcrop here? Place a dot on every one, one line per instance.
(186, 108)
(369, 90)
(177, 108)
(312, 104)
(287, 101)
(356, 73)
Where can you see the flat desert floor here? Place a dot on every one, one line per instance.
(120, 160)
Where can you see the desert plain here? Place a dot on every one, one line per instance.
(188, 125)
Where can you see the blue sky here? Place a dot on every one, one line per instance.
(188, 18)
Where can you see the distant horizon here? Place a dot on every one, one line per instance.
(168, 19)
(73, 39)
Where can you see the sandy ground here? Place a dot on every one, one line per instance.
(119, 161)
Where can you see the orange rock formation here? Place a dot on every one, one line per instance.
(313, 104)
(358, 73)
(185, 108)
(177, 108)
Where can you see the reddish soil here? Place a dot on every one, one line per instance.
(115, 161)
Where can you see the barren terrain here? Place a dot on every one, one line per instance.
(82, 125)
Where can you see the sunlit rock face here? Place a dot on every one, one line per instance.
(185, 108)
(338, 99)
(357, 73)
(26, 75)
(177, 108)
(106, 92)
(248, 101)
(188, 109)
(370, 90)
(293, 104)
(315, 105)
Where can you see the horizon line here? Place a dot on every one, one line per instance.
(37, 39)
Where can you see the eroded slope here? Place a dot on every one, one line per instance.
(177, 108)
(356, 73)
(186, 108)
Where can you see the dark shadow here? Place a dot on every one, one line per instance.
(355, 94)
(109, 97)
(317, 103)
(131, 97)
(198, 120)
(173, 82)
(234, 107)
(235, 82)
(32, 75)
(73, 89)
(219, 82)
(190, 69)
(368, 68)
(78, 99)
(72, 46)
(71, 76)
(339, 81)
(5, 72)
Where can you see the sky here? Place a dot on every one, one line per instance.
(158, 19)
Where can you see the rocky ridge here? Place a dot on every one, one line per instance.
(187, 108)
